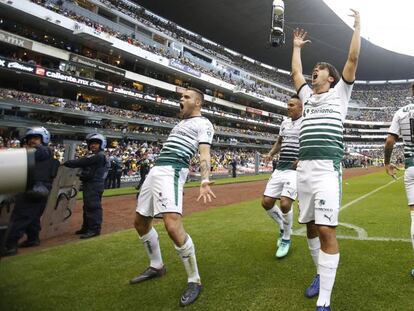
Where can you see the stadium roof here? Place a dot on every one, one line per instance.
(244, 27)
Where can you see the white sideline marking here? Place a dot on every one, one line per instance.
(367, 194)
(357, 238)
(362, 234)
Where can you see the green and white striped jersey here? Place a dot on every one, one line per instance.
(182, 143)
(403, 125)
(321, 132)
(289, 151)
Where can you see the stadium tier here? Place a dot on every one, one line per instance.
(120, 69)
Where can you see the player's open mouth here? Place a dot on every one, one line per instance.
(181, 106)
(314, 76)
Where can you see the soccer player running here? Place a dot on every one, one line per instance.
(403, 125)
(161, 195)
(282, 184)
(320, 154)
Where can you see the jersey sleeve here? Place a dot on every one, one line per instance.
(344, 90)
(304, 93)
(205, 132)
(395, 125)
(282, 128)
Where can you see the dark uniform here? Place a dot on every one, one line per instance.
(94, 171)
(234, 167)
(29, 206)
(144, 169)
(117, 169)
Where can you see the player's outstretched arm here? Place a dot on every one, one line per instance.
(389, 146)
(352, 62)
(299, 40)
(205, 192)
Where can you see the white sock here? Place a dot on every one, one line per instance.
(314, 247)
(412, 228)
(188, 257)
(152, 246)
(328, 263)
(276, 214)
(287, 224)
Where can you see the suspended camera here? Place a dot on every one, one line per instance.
(277, 34)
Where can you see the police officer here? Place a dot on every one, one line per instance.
(29, 206)
(94, 170)
(144, 168)
(234, 167)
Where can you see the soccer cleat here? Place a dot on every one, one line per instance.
(148, 274)
(279, 240)
(191, 293)
(313, 289)
(283, 249)
(412, 273)
(319, 308)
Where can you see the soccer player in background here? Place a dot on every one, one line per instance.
(282, 184)
(321, 150)
(402, 125)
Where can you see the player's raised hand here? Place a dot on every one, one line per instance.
(205, 192)
(299, 38)
(356, 16)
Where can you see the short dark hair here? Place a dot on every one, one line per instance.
(333, 72)
(294, 97)
(200, 94)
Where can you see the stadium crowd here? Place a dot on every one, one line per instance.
(130, 153)
(231, 75)
(82, 105)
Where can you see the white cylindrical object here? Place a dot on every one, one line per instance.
(278, 7)
(15, 168)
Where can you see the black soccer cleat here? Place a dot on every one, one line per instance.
(191, 294)
(148, 274)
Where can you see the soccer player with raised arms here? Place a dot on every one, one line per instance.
(319, 170)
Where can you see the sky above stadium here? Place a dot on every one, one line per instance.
(388, 24)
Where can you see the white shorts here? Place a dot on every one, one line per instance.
(162, 192)
(409, 184)
(281, 184)
(319, 192)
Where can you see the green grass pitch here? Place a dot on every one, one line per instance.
(235, 250)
